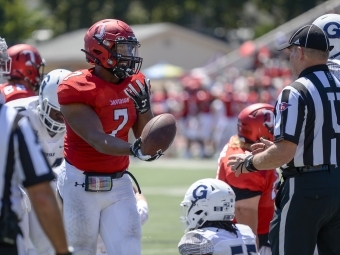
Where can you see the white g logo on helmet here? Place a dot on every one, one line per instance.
(48, 99)
(207, 200)
(330, 24)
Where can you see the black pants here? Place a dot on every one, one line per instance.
(307, 213)
(8, 249)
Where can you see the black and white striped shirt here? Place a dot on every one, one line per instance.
(308, 114)
(22, 161)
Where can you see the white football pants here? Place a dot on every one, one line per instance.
(113, 214)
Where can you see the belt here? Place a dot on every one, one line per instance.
(294, 171)
(115, 175)
(307, 169)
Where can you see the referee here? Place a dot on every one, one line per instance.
(22, 162)
(307, 148)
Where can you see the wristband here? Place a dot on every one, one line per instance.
(142, 204)
(248, 164)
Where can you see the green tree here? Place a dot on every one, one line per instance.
(17, 22)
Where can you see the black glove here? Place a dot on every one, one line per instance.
(141, 98)
(136, 151)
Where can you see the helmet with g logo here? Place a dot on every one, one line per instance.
(48, 99)
(330, 23)
(207, 200)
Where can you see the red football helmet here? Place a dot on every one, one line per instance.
(26, 64)
(255, 121)
(112, 44)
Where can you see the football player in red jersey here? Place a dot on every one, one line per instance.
(101, 105)
(255, 192)
(24, 75)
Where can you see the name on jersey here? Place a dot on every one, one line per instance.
(49, 154)
(119, 101)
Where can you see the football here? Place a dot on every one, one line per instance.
(158, 133)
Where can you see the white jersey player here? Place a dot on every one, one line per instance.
(44, 114)
(52, 142)
(208, 209)
(330, 23)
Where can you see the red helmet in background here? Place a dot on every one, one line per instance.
(255, 121)
(26, 64)
(112, 44)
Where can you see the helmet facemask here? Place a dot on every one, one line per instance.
(123, 60)
(48, 100)
(44, 109)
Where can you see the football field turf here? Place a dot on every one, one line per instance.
(164, 183)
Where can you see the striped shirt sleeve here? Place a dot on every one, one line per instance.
(32, 162)
(290, 115)
(20, 150)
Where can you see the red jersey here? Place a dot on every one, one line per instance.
(262, 181)
(15, 91)
(115, 110)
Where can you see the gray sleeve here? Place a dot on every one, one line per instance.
(195, 244)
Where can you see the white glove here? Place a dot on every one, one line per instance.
(25, 202)
(143, 211)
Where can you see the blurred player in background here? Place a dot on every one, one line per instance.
(208, 209)
(25, 74)
(255, 192)
(101, 105)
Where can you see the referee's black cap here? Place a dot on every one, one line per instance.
(309, 36)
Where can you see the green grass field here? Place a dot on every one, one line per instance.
(164, 183)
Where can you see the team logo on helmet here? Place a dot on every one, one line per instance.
(30, 58)
(283, 106)
(200, 192)
(332, 30)
(268, 120)
(100, 31)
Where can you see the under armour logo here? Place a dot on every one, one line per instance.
(77, 184)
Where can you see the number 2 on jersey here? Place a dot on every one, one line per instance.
(120, 114)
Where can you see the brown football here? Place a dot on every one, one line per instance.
(158, 133)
